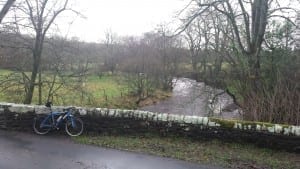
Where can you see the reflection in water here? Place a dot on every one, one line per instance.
(192, 98)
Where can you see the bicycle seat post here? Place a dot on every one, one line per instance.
(49, 104)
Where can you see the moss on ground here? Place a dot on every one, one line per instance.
(227, 123)
(224, 123)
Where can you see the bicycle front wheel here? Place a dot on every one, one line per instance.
(41, 125)
(74, 126)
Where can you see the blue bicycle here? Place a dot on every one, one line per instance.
(55, 120)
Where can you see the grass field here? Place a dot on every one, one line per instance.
(4, 72)
(108, 90)
(105, 91)
(217, 153)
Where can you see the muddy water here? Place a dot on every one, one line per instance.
(193, 98)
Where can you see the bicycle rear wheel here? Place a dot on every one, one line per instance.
(41, 125)
(74, 126)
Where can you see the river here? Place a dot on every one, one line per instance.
(193, 98)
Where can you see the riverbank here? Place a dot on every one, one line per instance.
(190, 97)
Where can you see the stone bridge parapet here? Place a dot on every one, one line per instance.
(117, 121)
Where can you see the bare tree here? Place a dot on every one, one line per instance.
(41, 15)
(58, 52)
(5, 9)
(165, 45)
(248, 26)
(194, 40)
(111, 50)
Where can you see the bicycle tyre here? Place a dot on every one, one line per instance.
(37, 125)
(76, 129)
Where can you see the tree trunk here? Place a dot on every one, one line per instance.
(5, 9)
(40, 87)
(29, 94)
(35, 69)
(254, 72)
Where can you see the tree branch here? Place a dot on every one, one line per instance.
(5, 9)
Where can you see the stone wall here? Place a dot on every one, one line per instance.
(116, 121)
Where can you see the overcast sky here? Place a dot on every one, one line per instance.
(125, 17)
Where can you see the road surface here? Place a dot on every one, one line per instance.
(30, 151)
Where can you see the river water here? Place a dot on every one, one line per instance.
(193, 98)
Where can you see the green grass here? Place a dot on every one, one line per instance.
(109, 85)
(106, 91)
(4, 72)
(215, 153)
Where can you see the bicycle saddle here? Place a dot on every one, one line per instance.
(48, 104)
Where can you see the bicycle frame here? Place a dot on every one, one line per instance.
(73, 125)
(55, 123)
